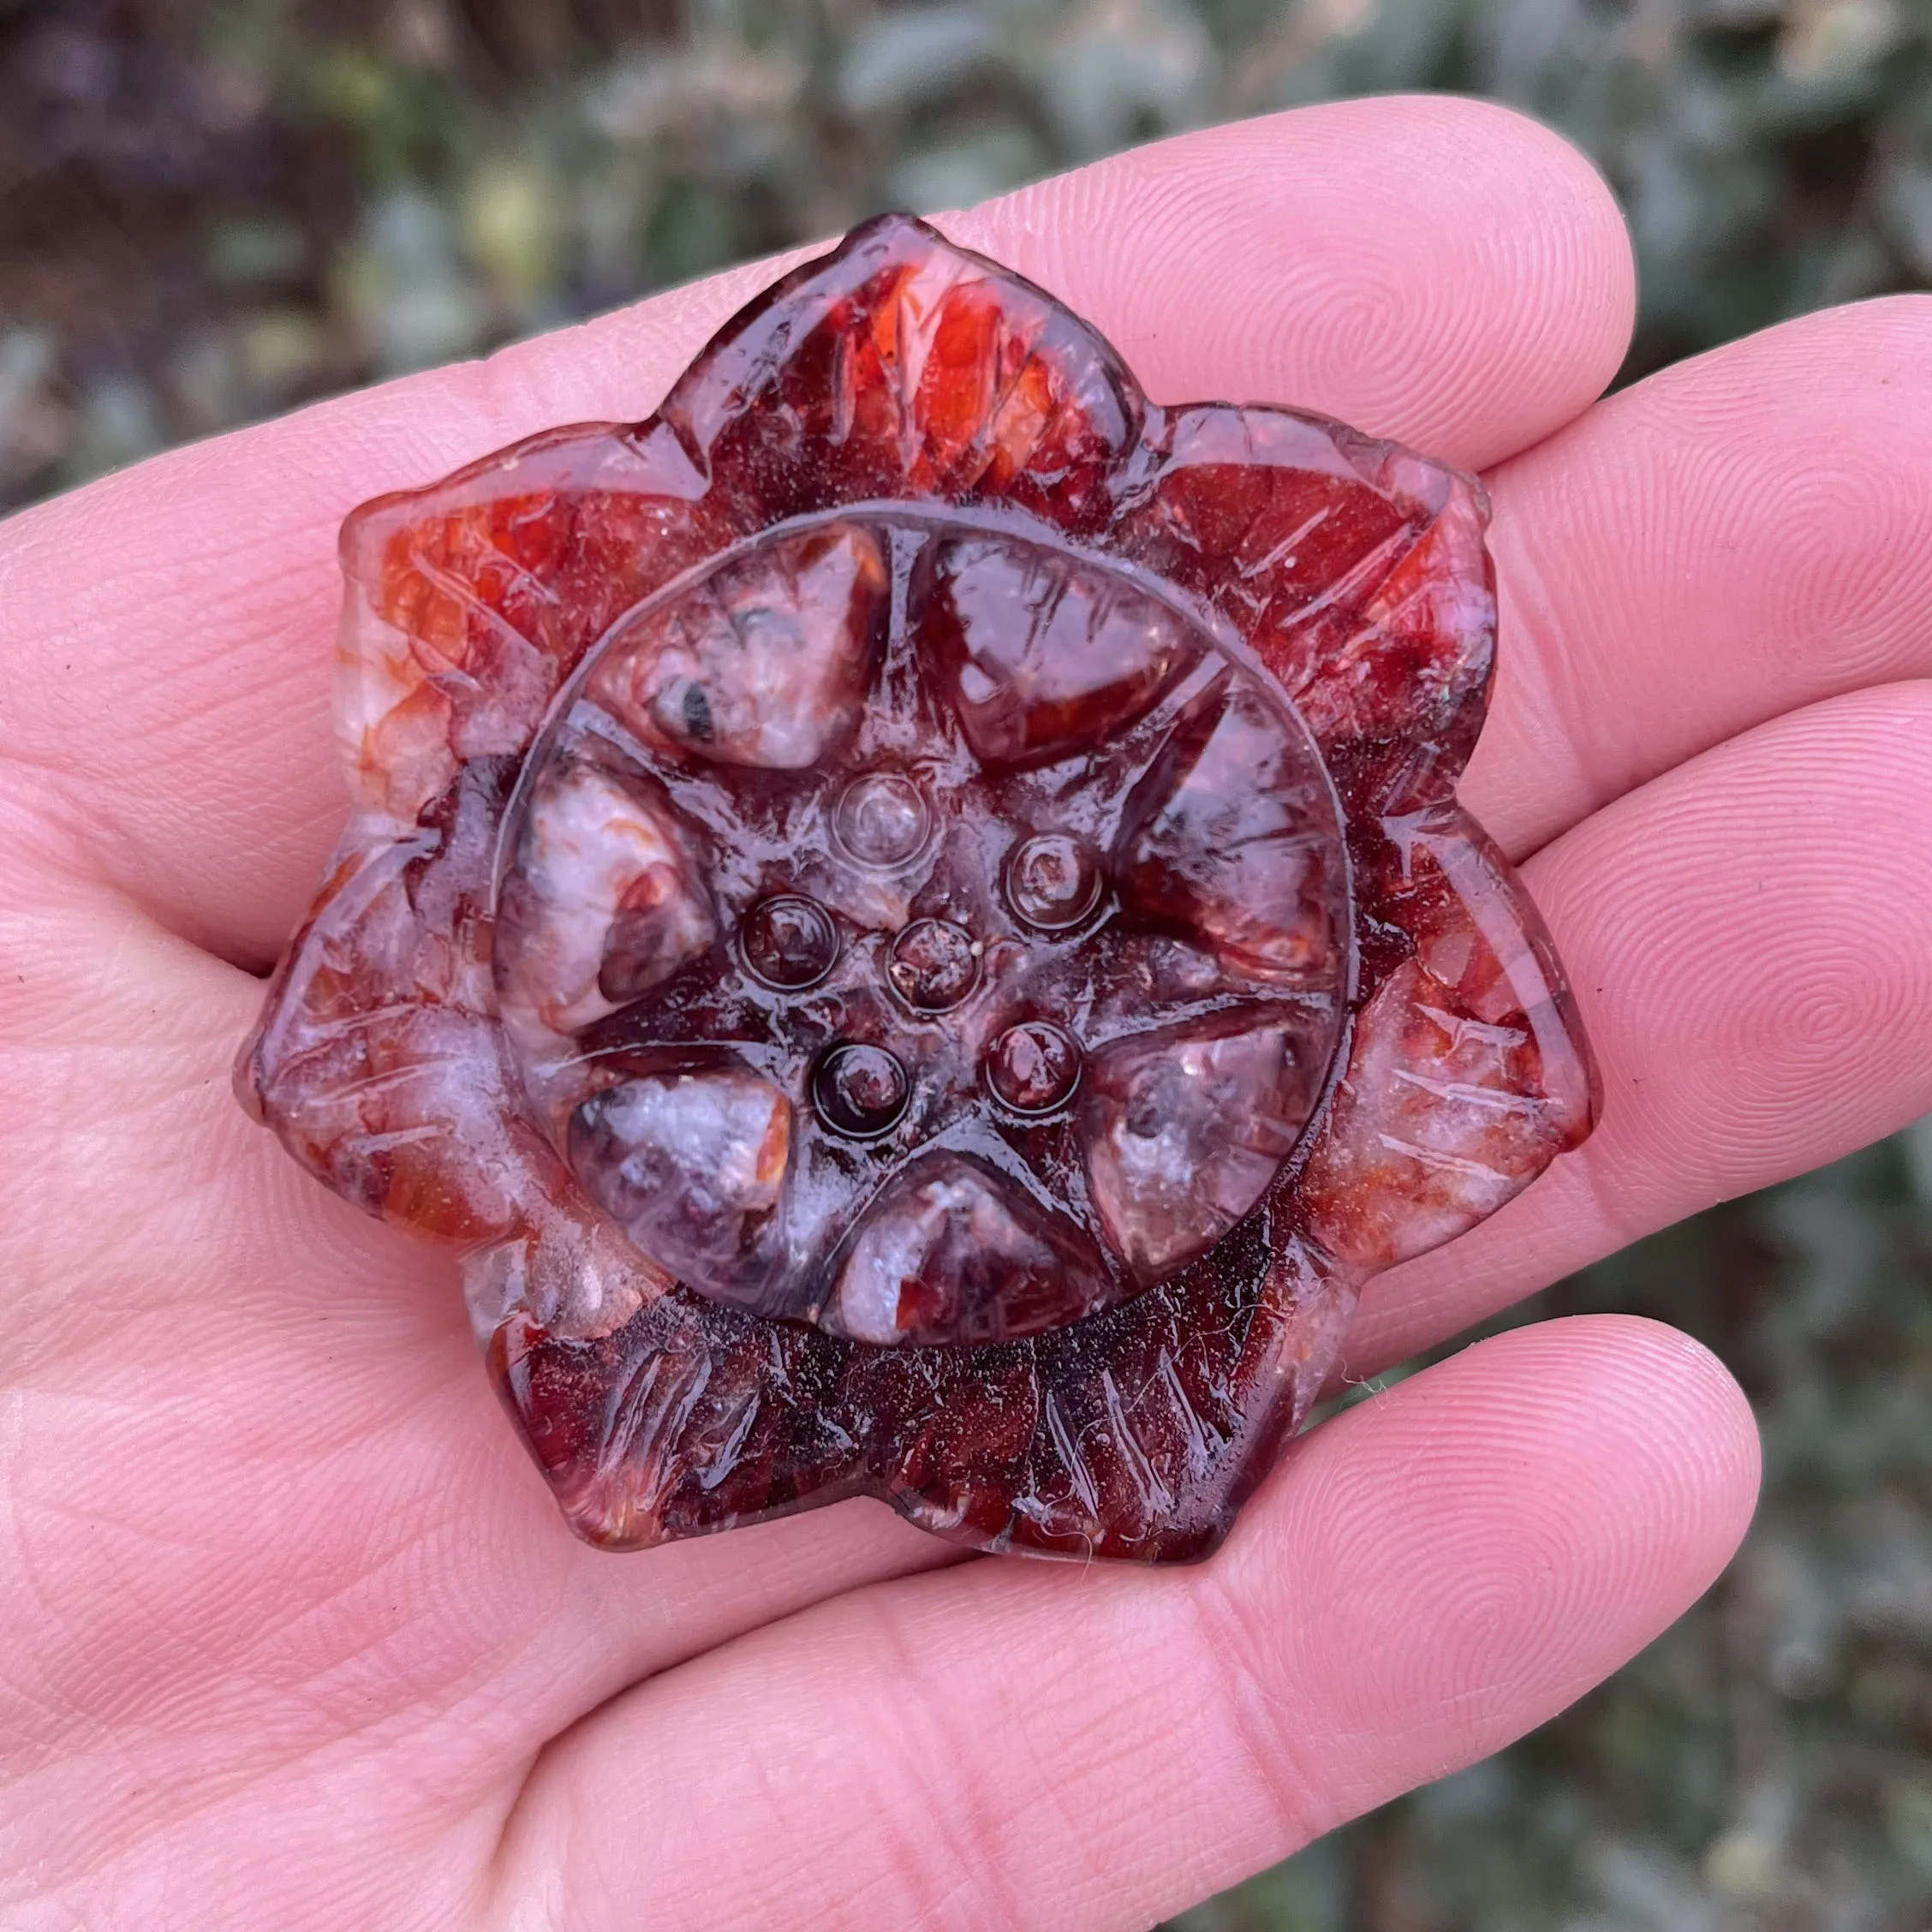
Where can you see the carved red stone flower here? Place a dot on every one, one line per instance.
(908, 914)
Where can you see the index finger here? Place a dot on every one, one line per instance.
(1440, 270)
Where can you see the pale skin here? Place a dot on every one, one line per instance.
(294, 1637)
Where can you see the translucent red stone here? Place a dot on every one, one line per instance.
(908, 916)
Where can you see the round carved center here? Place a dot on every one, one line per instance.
(935, 967)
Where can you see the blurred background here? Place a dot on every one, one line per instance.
(211, 211)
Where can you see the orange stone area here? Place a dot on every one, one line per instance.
(907, 917)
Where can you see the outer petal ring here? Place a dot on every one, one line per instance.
(900, 369)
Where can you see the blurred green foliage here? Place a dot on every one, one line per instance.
(211, 210)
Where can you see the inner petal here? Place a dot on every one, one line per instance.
(1232, 834)
(604, 900)
(953, 1251)
(692, 1166)
(765, 663)
(1184, 1129)
(1039, 655)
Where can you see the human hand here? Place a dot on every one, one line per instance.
(296, 1636)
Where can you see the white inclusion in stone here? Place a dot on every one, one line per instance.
(952, 1252)
(764, 664)
(888, 1254)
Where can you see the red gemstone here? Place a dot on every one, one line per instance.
(933, 965)
(1033, 1067)
(909, 916)
(789, 942)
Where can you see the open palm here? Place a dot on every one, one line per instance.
(292, 1635)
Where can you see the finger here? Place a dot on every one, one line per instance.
(1739, 536)
(1751, 938)
(1438, 270)
(1394, 263)
(1425, 1579)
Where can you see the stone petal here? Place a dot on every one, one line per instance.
(899, 365)
(1122, 1436)
(1467, 1071)
(1415, 665)
(1437, 1123)
(377, 1059)
(1037, 656)
(470, 601)
(1233, 835)
(1355, 568)
(764, 663)
(1185, 1131)
(692, 1166)
(692, 1416)
(604, 900)
(953, 1251)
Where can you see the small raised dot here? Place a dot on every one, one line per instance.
(789, 942)
(1053, 881)
(859, 1091)
(933, 965)
(1033, 1067)
(881, 819)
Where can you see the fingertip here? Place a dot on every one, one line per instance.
(1794, 1021)
(1662, 1401)
(1636, 1409)
(1487, 1539)
(1430, 1575)
(1741, 535)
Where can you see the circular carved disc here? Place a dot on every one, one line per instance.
(1047, 824)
